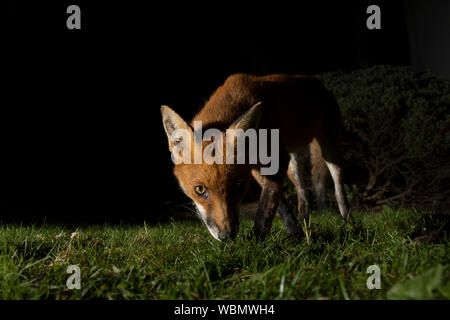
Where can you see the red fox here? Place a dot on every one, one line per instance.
(305, 114)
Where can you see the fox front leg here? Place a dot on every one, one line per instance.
(289, 220)
(269, 201)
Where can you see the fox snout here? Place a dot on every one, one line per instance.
(222, 226)
(227, 235)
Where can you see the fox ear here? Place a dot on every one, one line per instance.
(173, 122)
(250, 119)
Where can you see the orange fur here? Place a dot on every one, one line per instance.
(305, 113)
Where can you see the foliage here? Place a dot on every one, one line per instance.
(397, 142)
(424, 286)
(180, 260)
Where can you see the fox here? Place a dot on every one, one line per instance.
(308, 119)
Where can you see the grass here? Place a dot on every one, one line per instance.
(180, 260)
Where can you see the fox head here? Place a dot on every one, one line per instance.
(217, 189)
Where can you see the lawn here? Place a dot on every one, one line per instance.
(180, 260)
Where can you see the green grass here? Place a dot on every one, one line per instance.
(180, 260)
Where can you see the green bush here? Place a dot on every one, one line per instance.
(397, 144)
(419, 102)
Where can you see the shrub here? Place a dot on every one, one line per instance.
(397, 141)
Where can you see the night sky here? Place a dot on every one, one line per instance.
(81, 133)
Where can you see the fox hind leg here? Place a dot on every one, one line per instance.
(333, 160)
(296, 175)
(330, 142)
(336, 174)
(319, 172)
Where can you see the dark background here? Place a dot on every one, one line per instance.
(80, 129)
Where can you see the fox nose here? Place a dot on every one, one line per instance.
(227, 235)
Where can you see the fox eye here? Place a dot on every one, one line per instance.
(200, 190)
